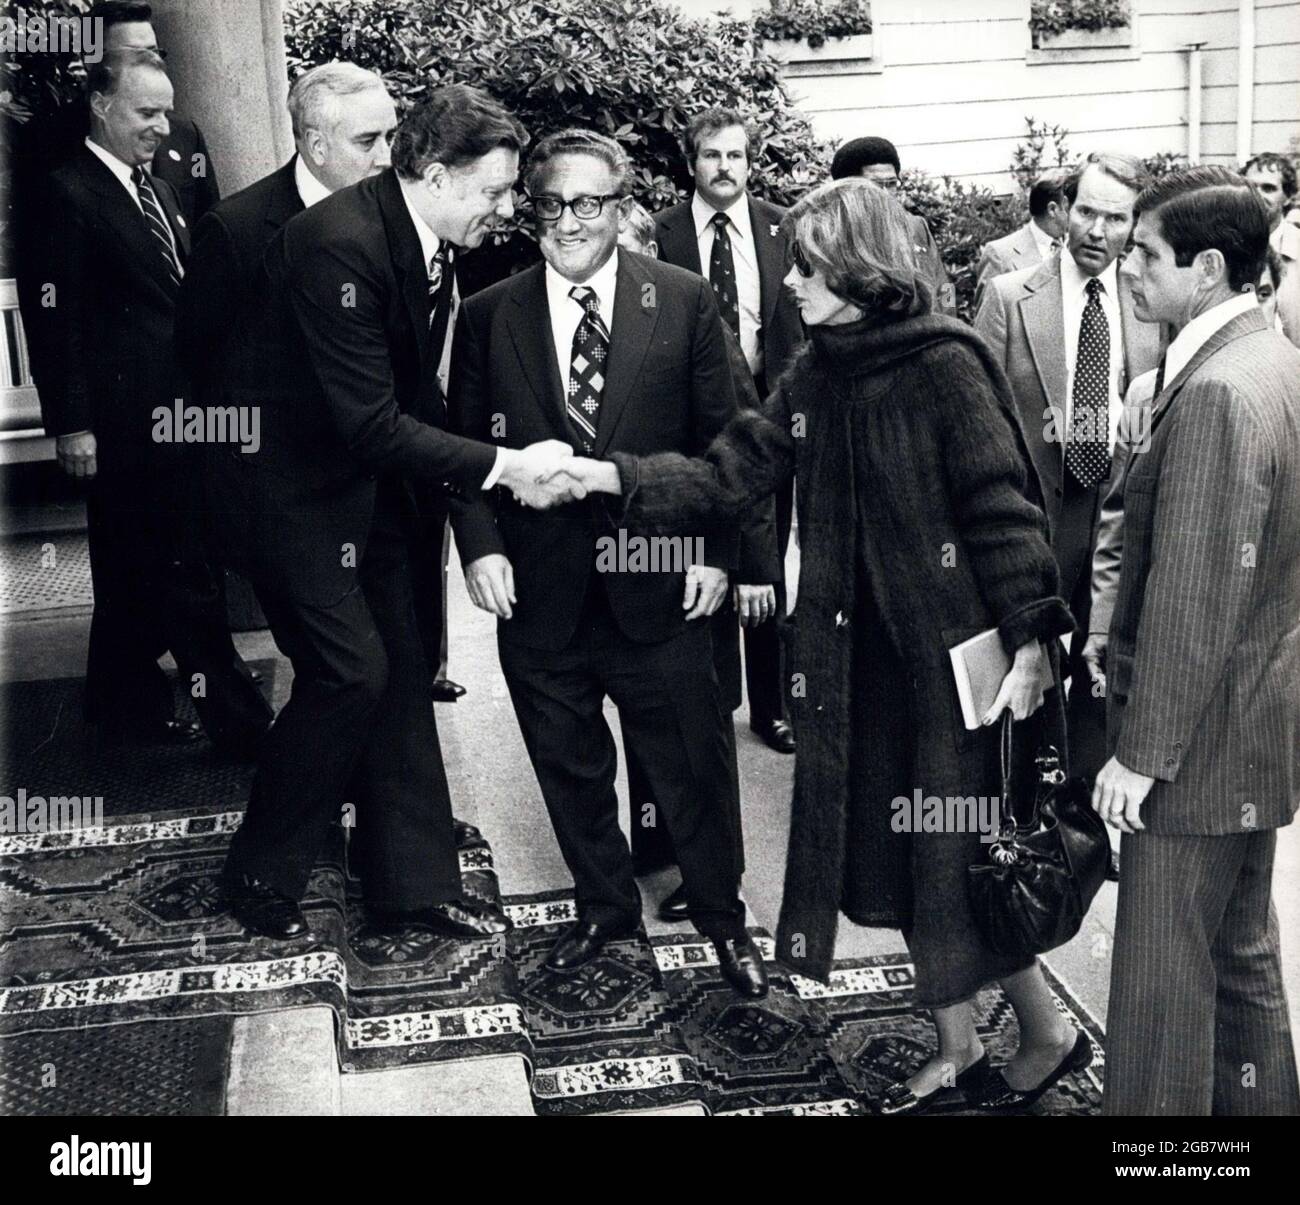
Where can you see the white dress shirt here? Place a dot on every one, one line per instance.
(744, 252)
(1043, 241)
(566, 313)
(429, 244)
(123, 173)
(310, 189)
(1194, 335)
(1074, 297)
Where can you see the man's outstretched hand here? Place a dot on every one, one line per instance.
(531, 473)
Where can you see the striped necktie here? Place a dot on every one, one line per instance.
(587, 367)
(442, 282)
(157, 223)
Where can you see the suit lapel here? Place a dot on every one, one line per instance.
(171, 208)
(120, 211)
(1026, 247)
(531, 332)
(409, 267)
(771, 261)
(1242, 324)
(680, 246)
(284, 201)
(634, 325)
(1043, 314)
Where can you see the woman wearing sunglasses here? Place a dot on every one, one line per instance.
(918, 528)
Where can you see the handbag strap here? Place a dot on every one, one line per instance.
(1054, 733)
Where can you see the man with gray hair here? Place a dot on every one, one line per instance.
(607, 351)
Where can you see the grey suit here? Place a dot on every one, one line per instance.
(1023, 319)
(1204, 696)
(1010, 253)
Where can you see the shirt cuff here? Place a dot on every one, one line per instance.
(497, 465)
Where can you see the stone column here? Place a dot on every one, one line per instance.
(227, 63)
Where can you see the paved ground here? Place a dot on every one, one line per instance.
(285, 1062)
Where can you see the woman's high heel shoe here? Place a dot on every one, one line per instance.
(898, 1099)
(1000, 1095)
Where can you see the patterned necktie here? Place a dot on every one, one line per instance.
(442, 279)
(157, 223)
(722, 273)
(587, 367)
(1087, 454)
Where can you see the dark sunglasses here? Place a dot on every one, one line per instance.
(800, 261)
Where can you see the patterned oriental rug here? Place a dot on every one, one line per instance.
(121, 974)
(46, 748)
(121, 924)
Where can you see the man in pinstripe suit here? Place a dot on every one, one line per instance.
(1203, 671)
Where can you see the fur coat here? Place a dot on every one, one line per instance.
(919, 527)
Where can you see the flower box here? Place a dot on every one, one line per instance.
(857, 46)
(1086, 39)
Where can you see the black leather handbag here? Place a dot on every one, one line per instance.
(1040, 877)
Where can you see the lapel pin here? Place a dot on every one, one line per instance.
(180, 221)
(774, 229)
(174, 153)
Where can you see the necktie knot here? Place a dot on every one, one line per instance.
(719, 221)
(586, 297)
(1093, 288)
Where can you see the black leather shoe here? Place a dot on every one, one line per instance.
(451, 918)
(164, 732)
(1000, 1096)
(447, 691)
(465, 833)
(742, 966)
(263, 910)
(675, 907)
(1112, 867)
(583, 942)
(776, 734)
(898, 1098)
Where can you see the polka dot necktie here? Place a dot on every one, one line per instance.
(587, 367)
(1087, 454)
(722, 273)
(157, 223)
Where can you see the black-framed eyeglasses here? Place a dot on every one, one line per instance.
(550, 208)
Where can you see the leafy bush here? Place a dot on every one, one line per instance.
(1043, 148)
(31, 86)
(1048, 18)
(813, 20)
(634, 69)
(962, 217)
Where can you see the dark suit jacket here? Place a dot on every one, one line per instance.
(781, 335)
(1022, 319)
(1203, 663)
(339, 368)
(43, 146)
(668, 388)
(226, 333)
(102, 353)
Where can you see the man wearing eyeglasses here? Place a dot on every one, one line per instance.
(607, 350)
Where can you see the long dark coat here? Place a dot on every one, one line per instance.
(917, 530)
